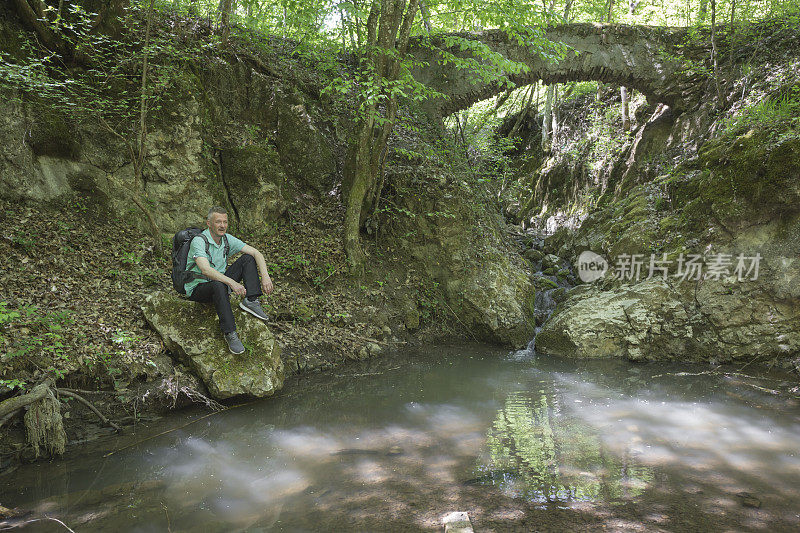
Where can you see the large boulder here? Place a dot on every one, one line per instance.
(645, 320)
(496, 302)
(465, 249)
(716, 321)
(191, 332)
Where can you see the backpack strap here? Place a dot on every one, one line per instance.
(208, 248)
(226, 250)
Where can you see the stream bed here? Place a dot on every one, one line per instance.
(522, 443)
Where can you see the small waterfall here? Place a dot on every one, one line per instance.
(553, 277)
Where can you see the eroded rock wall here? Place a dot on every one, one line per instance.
(205, 149)
(722, 189)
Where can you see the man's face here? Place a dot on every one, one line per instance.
(218, 224)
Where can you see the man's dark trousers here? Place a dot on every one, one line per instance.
(244, 271)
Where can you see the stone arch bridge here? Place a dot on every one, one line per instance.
(650, 59)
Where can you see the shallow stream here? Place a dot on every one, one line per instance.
(521, 443)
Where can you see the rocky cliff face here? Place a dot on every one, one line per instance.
(217, 145)
(722, 188)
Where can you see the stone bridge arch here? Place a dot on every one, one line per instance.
(649, 59)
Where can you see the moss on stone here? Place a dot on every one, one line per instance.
(543, 284)
(191, 332)
(750, 175)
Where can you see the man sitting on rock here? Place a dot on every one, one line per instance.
(220, 278)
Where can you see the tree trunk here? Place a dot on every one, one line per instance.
(626, 118)
(388, 33)
(715, 55)
(703, 11)
(555, 116)
(426, 17)
(732, 35)
(546, 118)
(225, 7)
(31, 15)
(139, 156)
(354, 202)
(59, 13)
(18, 402)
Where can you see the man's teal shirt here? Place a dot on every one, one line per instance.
(215, 256)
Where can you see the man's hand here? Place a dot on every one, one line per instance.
(238, 288)
(266, 285)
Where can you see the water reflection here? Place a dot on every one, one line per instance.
(538, 454)
(514, 442)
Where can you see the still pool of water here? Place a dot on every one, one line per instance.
(521, 443)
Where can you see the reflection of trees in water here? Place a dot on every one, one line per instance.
(539, 454)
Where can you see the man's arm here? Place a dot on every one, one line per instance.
(208, 271)
(266, 281)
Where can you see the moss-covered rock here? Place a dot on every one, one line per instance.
(643, 321)
(551, 261)
(721, 321)
(486, 282)
(542, 283)
(750, 177)
(191, 332)
(534, 256)
(497, 301)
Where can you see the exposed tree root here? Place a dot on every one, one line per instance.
(87, 403)
(18, 402)
(44, 425)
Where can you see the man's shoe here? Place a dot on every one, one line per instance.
(254, 308)
(234, 344)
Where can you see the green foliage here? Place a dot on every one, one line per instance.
(15, 383)
(374, 90)
(37, 333)
(107, 91)
(285, 263)
(430, 301)
(483, 65)
(580, 89)
(7, 315)
(775, 113)
(341, 24)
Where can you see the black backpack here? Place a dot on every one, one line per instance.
(180, 256)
